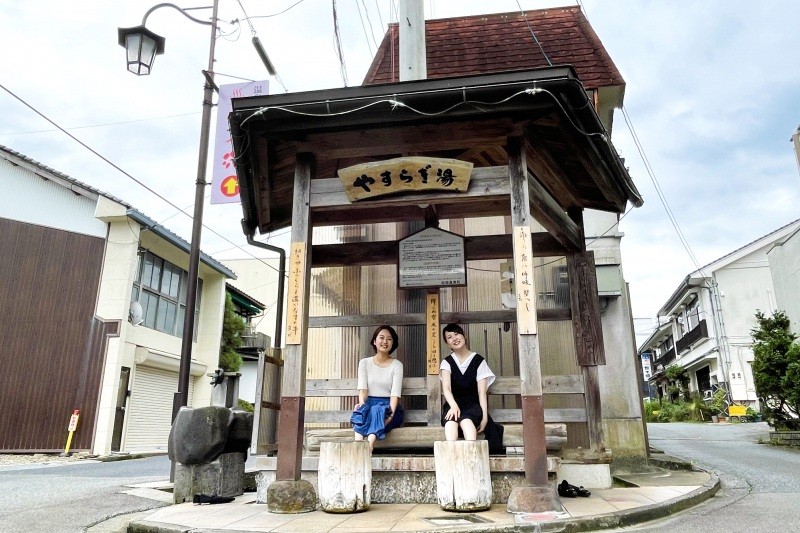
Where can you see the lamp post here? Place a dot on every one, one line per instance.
(142, 46)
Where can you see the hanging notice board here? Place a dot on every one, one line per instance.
(431, 258)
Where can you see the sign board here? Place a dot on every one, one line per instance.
(296, 293)
(524, 283)
(432, 320)
(431, 258)
(73, 420)
(224, 182)
(405, 174)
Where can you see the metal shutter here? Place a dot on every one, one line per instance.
(150, 412)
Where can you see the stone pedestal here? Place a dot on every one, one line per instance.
(291, 497)
(226, 394)
(222, 477)
(531, 499)
(345, 476)
(463, 479)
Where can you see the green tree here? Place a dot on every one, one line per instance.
(776, 370)
(678, 383)
(232, 328)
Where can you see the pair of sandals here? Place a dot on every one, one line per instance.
(565, 490)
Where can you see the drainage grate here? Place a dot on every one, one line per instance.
(456, 520)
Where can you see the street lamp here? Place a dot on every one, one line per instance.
(142, 46)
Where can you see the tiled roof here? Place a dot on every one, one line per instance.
(503, 42)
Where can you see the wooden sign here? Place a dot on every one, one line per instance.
(297, 274)
(432, 320)
(405, 174)
(525, 285)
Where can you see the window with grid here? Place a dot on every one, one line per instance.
(160, 287)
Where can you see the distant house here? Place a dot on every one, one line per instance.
(784, 264)
(254, 342)
(75, 259)
(705, 324)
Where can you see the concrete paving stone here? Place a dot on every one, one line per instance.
(658, 494)
(593, 505)
(150, 494)
(316, 521)
(262, 521)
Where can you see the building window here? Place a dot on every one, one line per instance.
(160, 287)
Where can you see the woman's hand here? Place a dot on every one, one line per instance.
(484, 421)
(357, 406)
(454, 413)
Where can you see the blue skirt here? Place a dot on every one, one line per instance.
(368, 419)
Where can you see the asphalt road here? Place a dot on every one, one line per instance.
(72, 497)
(760, 483)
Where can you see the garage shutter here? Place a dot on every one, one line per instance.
(150, 413)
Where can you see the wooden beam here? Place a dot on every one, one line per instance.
(552, 216)
(414, 319)
(595, 167)
(419, 416)
(549, 171)
(476, 248)
(384, 141)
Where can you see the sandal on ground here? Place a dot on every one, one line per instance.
(565, 490)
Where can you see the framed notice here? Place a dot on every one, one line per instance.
(431, 258)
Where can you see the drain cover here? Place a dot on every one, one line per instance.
(456, 520)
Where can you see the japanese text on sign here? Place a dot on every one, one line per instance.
(404, 174)
(296, 293)
(432, 258)
(525, 283)
(432, 332)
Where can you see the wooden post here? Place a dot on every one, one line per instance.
(290, 424)
(588, 335)
(434, 358)
(463, 479)
(344, 476)
(535, 444)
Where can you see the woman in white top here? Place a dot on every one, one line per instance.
(466, 378)
(380, 381)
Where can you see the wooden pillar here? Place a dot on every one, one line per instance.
(463, 478)
(290, 423)
(535, 445)
(588, 335)
(433, 356)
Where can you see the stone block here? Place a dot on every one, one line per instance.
(221, 477)
(291, 497)
(199, 435)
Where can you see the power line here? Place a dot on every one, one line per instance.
(338, 40)
(123, 172)
(528, 24)
(660, 193)
(122, 122)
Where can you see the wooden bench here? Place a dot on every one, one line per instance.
(414, 435)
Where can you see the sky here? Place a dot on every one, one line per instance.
(712, 94)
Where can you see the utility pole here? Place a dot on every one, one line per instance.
(411, 21)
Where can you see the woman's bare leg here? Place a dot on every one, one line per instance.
(359, 436)
(451, 430)
(469, 429)
(372, 438)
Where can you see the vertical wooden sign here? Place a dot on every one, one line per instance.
(297, 268)
(525, 284)
(432, 331)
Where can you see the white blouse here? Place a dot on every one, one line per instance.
(483, 369)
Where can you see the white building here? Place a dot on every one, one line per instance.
(706, 322)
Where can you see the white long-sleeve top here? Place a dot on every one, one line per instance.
(380, 381)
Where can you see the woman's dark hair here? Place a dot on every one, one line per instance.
(452, 328)
(391, 331)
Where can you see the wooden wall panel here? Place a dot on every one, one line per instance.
(51, 346)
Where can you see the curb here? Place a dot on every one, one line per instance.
(604, 521)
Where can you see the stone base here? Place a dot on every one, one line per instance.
(291, 497)
(403, 479)
(222, 477)
(589, 476)
(530, 499)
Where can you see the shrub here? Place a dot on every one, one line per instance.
(776, 370)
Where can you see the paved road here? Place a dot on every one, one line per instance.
(760, 483)
(72, 497)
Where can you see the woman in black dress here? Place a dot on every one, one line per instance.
(465, 378)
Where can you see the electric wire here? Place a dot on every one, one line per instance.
(278, 13)
(661, 196)
(338, 44)
(530, 29)
(364, 27)
(123, 172)
(369, 21)
(103, 125)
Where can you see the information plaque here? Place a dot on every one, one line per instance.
(431, 258)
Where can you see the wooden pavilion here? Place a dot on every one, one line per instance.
(541, 156)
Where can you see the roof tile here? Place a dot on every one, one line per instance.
(503, 42)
